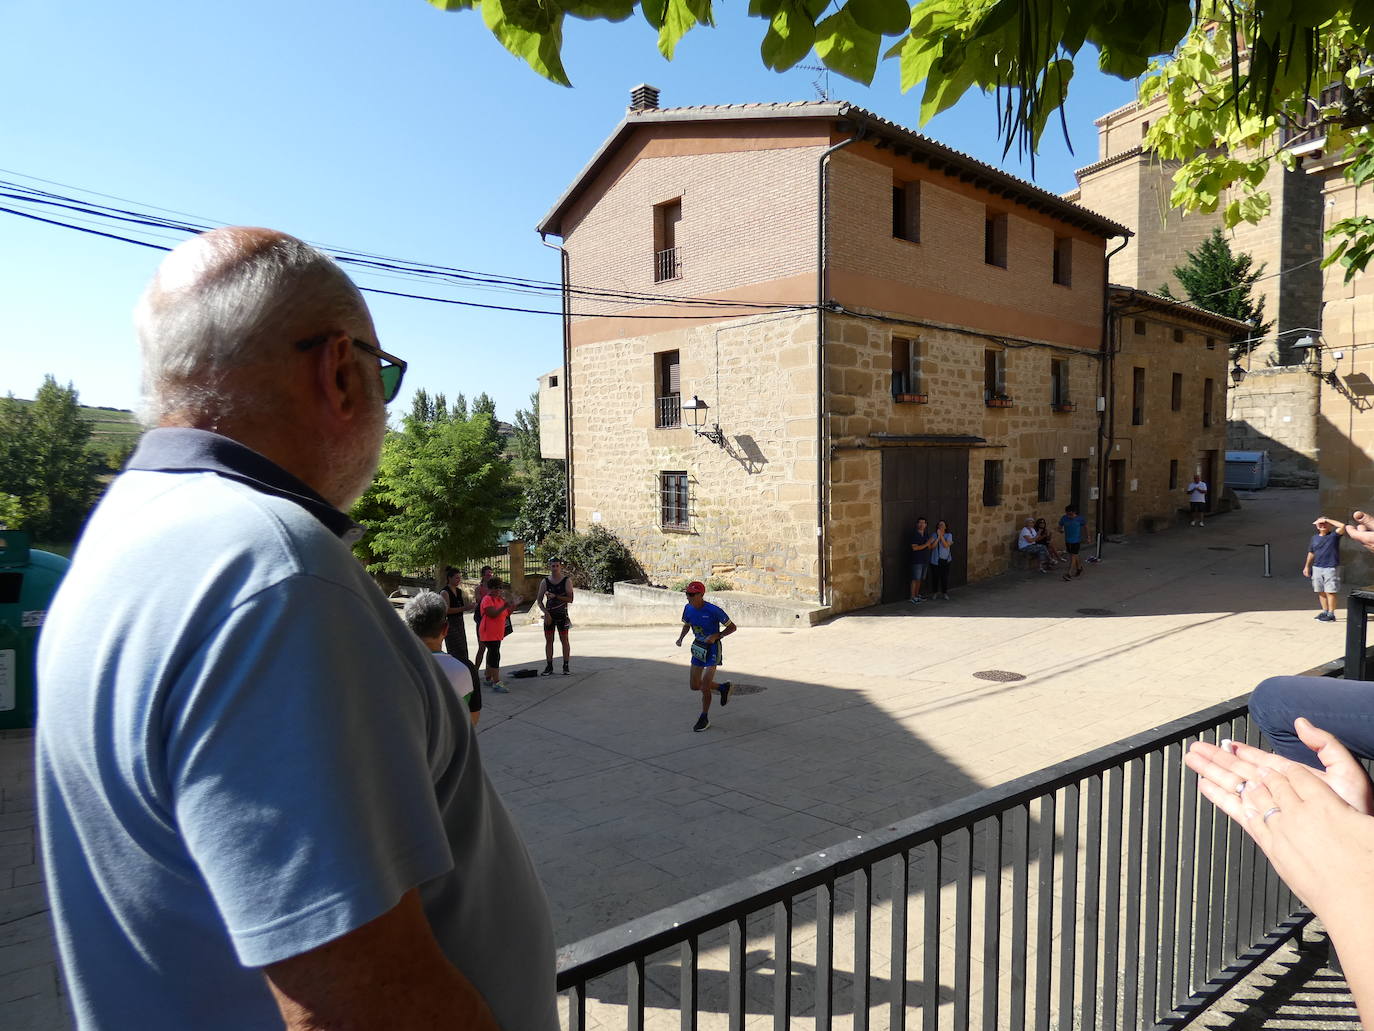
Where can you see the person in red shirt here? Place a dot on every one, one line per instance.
(491, 630)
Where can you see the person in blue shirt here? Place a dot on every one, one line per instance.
(1323, 565)
(708, 624)
(1072, 525)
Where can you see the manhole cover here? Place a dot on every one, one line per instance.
(1095, 612)
(740, 688)
(1000, 676)
(1216, 547)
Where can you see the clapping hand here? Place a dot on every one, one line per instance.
(1362, 530)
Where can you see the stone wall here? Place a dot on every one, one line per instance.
(753, 501)
(1275, 410)
(552, 443)
(859, 399)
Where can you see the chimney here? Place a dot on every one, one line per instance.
(644, 98)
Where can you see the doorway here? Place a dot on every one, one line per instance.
(922, 481)
(1114, 516)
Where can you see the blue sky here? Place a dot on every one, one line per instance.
(391, 128)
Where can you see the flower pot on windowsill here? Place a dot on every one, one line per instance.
(999, 401)
(911, 399)
(1063, 406)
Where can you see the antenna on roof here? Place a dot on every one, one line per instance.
(821, 83)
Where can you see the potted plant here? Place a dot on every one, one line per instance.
(999, 400)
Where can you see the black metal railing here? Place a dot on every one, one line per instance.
(1099, 893)
(668, 412)
(666, 265)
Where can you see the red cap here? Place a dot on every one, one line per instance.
(695, 587)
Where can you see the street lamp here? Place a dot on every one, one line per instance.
(1237, 374)
(698, 408)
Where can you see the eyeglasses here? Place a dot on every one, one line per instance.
(392, 372)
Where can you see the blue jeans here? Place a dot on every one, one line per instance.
(1343, 707)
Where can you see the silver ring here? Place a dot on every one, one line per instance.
(1264, 818)
(1240, 788)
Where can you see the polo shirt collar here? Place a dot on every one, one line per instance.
(179, 449)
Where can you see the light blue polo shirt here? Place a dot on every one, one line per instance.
(243, 754)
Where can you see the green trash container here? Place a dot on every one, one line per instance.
(28, 580)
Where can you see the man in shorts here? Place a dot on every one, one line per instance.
(1323, 565)
(1072, 525)
(922, 541)
(1197, 501)
(708, 624)
(554, 596)
(427, 616)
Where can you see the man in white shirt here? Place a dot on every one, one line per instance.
(1197, 500)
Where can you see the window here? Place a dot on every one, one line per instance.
(1045, 479)
(992, 483)
(1173, 474)
(666, 259)
(1137, 396)
(1206, 403)
(995, 240)
(1063, 260)
(907, 381)
(994, 375)
(1211, 343)
(667, 391)
(1144, 128)
(673, 501)
(1176, 393)
(1140, 327)
(1059, 381)
(1078, 479)
(906, 211)
(1178, 336)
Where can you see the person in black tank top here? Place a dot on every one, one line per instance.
(554, 597)
(456, 641)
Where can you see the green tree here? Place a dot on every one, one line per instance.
(526, 439)
(1234, 71)
(440, 491)
(46, 461)
(543, 503)
(1219, 280)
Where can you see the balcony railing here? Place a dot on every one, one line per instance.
(1311, 128)
(668, 412)
(667, 265)
(1099, 893)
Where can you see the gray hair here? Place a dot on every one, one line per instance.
(227, 300)
(426, 614)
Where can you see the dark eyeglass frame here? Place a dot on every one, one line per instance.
(391, 374)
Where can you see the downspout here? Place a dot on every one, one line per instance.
(563, 266)
(1106, 419)
(822, 434)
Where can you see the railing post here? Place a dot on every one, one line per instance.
(1356, 626)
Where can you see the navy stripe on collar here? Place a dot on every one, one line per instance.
(176, 449)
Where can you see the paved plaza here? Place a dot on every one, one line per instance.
(833, 730)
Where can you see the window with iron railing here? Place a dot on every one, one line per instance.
(666, 259)
(666, 265)
(674, 502)
(668, 390)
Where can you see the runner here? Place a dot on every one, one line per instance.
(555, 594)
(708, 624)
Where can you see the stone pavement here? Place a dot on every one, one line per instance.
(833, 730)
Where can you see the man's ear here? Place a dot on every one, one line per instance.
(337, 376)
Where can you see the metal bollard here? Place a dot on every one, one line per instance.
(1268, 567)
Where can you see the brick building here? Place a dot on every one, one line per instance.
(797, 327)
(1275, 408)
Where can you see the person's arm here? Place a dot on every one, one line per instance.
(725, 631)
(452, 598)
(390, 972)
(539, 597)
(683, 633)
(1307, 566)
(567, 598)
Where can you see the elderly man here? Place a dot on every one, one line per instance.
(260, 803)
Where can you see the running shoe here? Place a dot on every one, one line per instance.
(724, 690)
(547, 671)
(499, 688)
(702, 723)
(566, 671)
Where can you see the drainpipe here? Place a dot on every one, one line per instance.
(822, 436)
(1106, 419)
(563, 266)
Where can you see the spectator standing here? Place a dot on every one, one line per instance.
(1072, 525)
(708, 624)
(427, 616)
(941, 558)
(1197, 500)
(260, 805)
(1027, 541)
(478, 593)
(493, 629)
(921, 543)
(1323, 565)
(553, 598)
(456, 638)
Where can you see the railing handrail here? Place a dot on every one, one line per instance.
(611, 949)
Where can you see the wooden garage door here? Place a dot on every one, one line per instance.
(922, 481)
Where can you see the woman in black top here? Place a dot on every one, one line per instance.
(456, 642)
